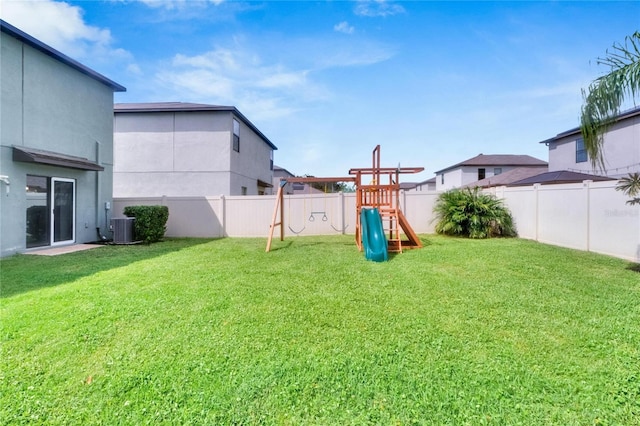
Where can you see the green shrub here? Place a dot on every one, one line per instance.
(472, 213)
(150, 223)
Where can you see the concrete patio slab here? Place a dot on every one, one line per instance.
(54, 251)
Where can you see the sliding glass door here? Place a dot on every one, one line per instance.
(38, 211)
(63, 211)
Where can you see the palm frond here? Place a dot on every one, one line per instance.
(603, 98)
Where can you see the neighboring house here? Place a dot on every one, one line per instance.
(480, 167)
(621, 148)
(279, 174)
(56, 146)
(290, 188)
(427, 185)
(508, 177)
(183, 149)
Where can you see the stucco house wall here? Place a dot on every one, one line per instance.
(467, 172)
(621, 149)
(175, 149)
(449, 179)
(51, 103)
(253, 162)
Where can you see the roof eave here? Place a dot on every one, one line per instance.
(178, 107)
(59, 56)
(576, 131)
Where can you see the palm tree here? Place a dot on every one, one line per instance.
(605, 95)
(630, 185)
(602, 103)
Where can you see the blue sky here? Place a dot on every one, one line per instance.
(433, 83)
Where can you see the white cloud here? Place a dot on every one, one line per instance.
(238, 77)
(264, 79)
(62, 26)
(178, 4)
(377, 8)
(344, 27)
(134, 69)
(360, 53)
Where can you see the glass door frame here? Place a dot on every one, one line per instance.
(52, 228)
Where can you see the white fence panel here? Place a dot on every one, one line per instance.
(522, 202)
(585, 216)
(614, 225)
(248, 216)
(418, 209)
(562, 215)
(199, 217)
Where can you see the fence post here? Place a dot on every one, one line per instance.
(223, 225)
(587, 187)
(638, 249)
(536, 187)
(342, 211)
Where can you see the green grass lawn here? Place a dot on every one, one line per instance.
(501, 331)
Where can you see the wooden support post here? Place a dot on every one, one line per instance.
(273, 219)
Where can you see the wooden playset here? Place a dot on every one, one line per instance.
(382, 192)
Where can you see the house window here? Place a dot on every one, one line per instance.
(497, 171)
(581, 152)
(243, 190)
(481, 174)
(271, 160)
(236, 136)
(442, 179)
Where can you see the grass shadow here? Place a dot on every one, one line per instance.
(23, 273)
(283, 245)
(635, 267)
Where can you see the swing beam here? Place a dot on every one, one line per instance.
(280, 200)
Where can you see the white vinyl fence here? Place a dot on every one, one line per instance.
(588, 216)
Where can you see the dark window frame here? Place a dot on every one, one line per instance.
(581, 152)
(236, 135)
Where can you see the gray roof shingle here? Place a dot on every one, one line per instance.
(559, 176)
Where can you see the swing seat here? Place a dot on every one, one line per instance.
(296, 232)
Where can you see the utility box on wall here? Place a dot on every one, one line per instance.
(122, 230)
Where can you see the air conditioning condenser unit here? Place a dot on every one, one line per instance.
(122, 230)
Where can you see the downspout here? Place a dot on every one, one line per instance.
(101, 237)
